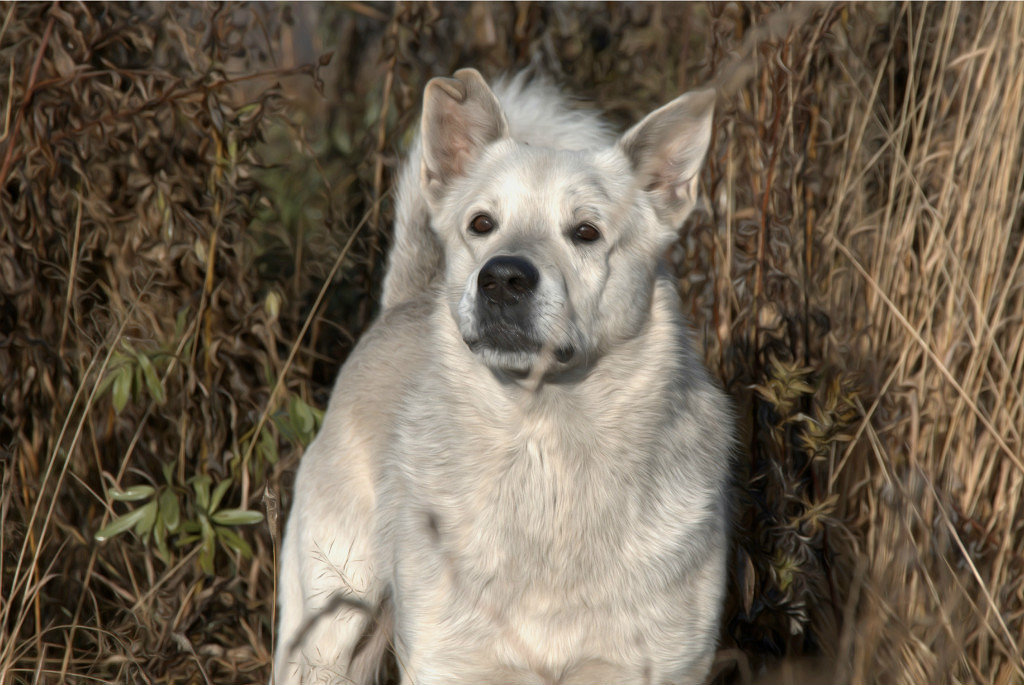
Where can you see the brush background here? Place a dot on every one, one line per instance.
(194, 209)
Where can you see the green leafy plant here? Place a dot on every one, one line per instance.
(214, 525)
(135, 372)
(132, 373)
(297, 423)
(210, 524)
(300, 423)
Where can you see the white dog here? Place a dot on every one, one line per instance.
(521, 476)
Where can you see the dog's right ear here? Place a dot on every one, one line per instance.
(461, 116)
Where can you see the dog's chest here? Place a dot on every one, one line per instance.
(548, 534)
(542, 506)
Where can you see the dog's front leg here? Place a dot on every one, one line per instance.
(329, 590)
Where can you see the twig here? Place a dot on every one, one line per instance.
(8, 155)
(740, 68)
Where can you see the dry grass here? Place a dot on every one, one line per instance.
(937, 284)
(187, 252)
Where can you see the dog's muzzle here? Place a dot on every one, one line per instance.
(506, 288)
(507, 310)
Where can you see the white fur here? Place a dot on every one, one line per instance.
(527, 516)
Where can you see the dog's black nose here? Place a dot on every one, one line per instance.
(507, 280)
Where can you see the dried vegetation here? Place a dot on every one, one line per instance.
(193, 212)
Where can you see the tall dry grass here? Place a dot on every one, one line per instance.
(856, 272)
(926, 232)
(886, 227)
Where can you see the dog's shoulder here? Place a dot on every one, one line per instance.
(393, 349)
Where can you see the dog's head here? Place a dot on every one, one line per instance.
(551, 255)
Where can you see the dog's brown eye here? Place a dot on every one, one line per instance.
(586, 233)
(481, 224)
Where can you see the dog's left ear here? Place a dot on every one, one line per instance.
(461, 116)
(667, 150)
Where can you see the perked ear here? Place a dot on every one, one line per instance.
(667, 150)
(461, 116)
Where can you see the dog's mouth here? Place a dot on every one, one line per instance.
(504, 337)
(563, 355)
(515, 351)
